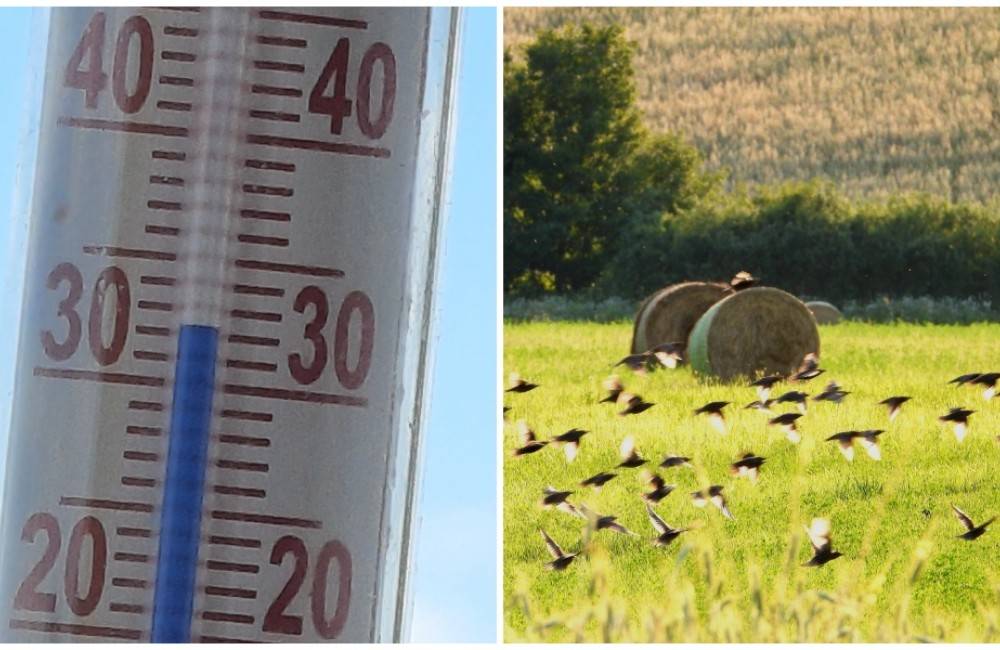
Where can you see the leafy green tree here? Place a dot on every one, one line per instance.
(578, 164)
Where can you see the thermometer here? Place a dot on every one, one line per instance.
(226, 321)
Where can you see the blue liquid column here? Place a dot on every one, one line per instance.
(184, 484)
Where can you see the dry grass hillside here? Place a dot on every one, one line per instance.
(878, 100)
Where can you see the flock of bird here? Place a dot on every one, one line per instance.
(748, 465)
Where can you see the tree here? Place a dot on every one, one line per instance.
(578, 164)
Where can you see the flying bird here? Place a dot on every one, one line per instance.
(713, 494)
(765, 384)
(665, 534)
(638, 363)
(670, 355)
(675, 461)
(529, 442)
(819, 537)
(747, 465)
(561, 559)
(634, 404)
(972, 531)
(959, 419)
(742, 280)
(988, 380)
(558, 499)
(832, 393)
(518, 385)
(614, 387)
(809, 369)
(868, 439)
(894, 404)
(602, 522)
(762, 406)
(787, 423)
(714, 412)
(658, 488)
(797, 397)
(629, 453)
(570, 442)
(597, 480)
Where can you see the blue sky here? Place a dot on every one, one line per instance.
(454, 601)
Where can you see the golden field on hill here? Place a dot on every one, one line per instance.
(880, 100)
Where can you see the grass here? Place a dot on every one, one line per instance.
(880, 100)
(904, 575)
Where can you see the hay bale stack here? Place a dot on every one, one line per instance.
(760, 330)
(824, 312)
(668, 315)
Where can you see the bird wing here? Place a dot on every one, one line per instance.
(962, 517)
(719, 502)
(960, 430)
(627, 447)
(660, 525)
(870, 443)
(525, 433)
(569, 508)
(551, 545)
(819, 533)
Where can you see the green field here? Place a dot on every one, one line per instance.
(904, 576)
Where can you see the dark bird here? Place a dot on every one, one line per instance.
(964, 379)
(670, 355)
(797, 397)
(597, 480)
(868, 439)
(959, 418)
(570, 442)
(639, 363)
(602, 522)
(894, 404)
(809, 369)
(561, 559)
(665, 534)
(765, 384)
(787, 423)
(762, 406)
(629, 453)
(972, 531)
(747, 465)
(658, 488)
(614, 387)
(713, 494)
(714, 412)
(529, 442)
(819, 537)
(742, 280)
(554, 498)
(988, 380)
(634, 404)
(518, 385)
(832, 393)
(675, 461)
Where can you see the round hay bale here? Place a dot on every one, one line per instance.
(668, 315)
(759, 330)
(824, 312)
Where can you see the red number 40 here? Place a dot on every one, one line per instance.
(337, 106)
(92, 79)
